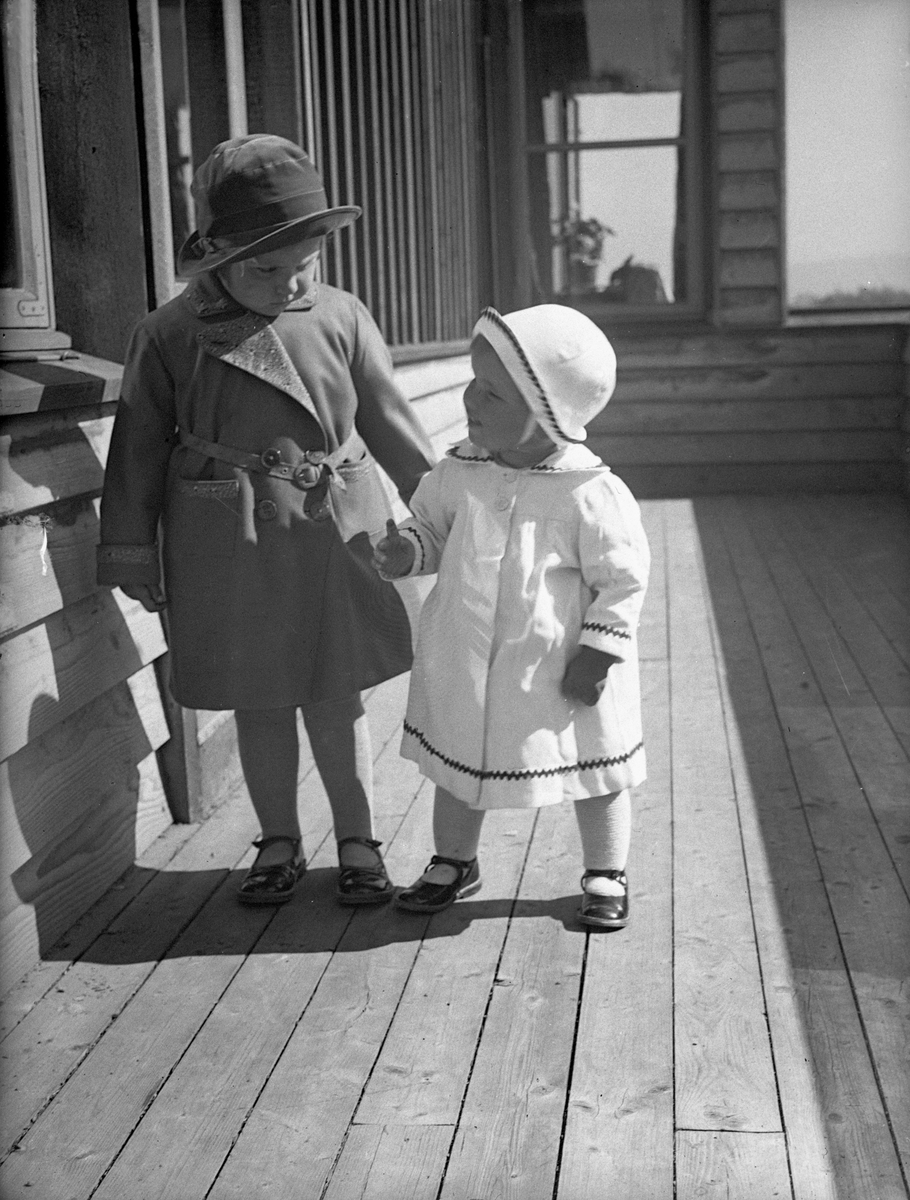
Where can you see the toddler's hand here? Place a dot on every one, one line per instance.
(393, 555)
(586, 675)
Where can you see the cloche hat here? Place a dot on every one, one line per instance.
(563, 365)
(253, 194)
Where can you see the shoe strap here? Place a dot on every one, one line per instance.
(460, 864)
(619, 876)
(262, 843)
(361, 841)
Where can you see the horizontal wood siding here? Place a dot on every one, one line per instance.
(746, 131)
(808, 409)
(81, 787)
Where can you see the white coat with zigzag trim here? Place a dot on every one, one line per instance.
(530, 563)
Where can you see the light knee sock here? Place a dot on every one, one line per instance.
(456, 834)
(605, 827)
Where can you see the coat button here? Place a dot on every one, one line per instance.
(320, 512)
(270, 458)
(315, 456)
(266, 510)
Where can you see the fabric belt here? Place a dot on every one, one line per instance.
(306, 473)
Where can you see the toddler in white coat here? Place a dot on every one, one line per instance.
(524, 690)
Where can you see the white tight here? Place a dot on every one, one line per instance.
(604, 823)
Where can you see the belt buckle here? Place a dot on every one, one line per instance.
(307, 475)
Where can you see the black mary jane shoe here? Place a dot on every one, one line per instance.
(363, 885)
(274, 884)
(604, 912)
(425, 897)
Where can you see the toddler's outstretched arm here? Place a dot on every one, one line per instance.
(393, 556)
(586, 675)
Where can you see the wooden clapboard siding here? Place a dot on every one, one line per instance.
(53, 457)
(50, 670)
(78, 802)
(44, 557)
(84, 729)
(74, 381)
(747, 192)
(761, 411)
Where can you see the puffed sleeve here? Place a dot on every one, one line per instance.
(385, 419)
(432, 515)
(134, 482)
(615, 560)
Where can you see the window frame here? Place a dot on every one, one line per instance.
(27, 315)
(692, 138)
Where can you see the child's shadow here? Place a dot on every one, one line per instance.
(197, 914)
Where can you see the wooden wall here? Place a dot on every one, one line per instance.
(766, 410)
(746, 133)
(81, 791)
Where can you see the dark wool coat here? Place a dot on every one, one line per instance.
(267, 604)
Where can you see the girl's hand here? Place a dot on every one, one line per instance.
(150, 596)
(586, 675)
(393, 556)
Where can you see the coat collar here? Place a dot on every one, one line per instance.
(563, 458)
(246, 339)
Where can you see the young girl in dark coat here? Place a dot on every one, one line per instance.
(254, 408)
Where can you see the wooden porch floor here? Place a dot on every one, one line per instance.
(746, 1037)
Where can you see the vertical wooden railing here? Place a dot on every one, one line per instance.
(392, 124)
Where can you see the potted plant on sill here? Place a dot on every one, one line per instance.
(582, 239)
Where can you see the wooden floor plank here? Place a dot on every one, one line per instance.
(508, 1139)
(395, 1162)
(331, 1053)
(230, 1060)
(827, 607)
(301, 1118)
(74, 1141)
(619, 1128)
(860, 1143)
(421, 1075)
(858, 552)
(724, 1071)
(720, 1166)
(61, 1030)
(805, 981)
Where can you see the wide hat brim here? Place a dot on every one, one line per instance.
(199, 254)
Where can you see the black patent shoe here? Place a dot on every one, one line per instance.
(363, 885)
(274, 884)
(424, 897)
(604, 912)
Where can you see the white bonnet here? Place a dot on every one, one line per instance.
(563, 365)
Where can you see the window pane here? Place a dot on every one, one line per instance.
(848, 169)
(607, 47)
(615, 228)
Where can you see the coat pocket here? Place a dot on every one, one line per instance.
(203, 517)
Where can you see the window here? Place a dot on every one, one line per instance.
(610, 161)
(848, 169)
(26, 295)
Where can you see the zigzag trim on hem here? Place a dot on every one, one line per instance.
(536, 773)
(613, 630)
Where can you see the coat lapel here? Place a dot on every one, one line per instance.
(245, 340)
